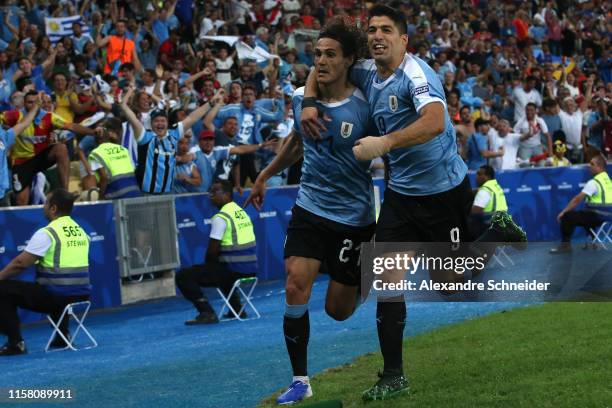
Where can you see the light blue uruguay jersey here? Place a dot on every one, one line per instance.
(250, 121)
(424, 169)
(334, 184)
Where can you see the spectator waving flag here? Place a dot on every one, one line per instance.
(273, 9)
(59, 27)
(258, 54)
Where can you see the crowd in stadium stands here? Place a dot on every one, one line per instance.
(153, 64)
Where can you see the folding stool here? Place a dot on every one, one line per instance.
(244, 287)
(69, 311)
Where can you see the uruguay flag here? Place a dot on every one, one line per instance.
(56, 28)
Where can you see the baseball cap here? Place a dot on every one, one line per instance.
(207, 134)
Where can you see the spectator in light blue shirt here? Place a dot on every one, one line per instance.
(79, 39)
(13, 16)
(538, 31)
(187, 177)
(307, 56)
(159, 26)
(149, 47)
(478, 146)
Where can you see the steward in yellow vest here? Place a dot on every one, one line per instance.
(602, 199)
(231, 255)
(497, 199)
(61, 250)
(490, 200)
(489, 219)
(598, 195)
(112, 164)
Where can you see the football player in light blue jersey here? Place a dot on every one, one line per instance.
(428, 197)
(334, 212)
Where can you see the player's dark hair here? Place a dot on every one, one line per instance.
(531, 104)
(397, 16)
(63, 200)
(488, 171)
(352, 40)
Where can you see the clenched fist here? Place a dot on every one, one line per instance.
(371, 147)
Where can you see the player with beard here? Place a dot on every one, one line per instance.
(428, 197)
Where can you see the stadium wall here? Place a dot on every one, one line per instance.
(534, 197)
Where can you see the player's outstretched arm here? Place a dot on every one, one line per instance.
(246, 149)
(429, 125)
(199, 113)
(291, 152)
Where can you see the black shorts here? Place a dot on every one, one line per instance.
(441, 217)
(336, 245)
(24, 173)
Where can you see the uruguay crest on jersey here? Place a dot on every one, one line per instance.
(346, 129)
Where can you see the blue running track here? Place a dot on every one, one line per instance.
(147, 357)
